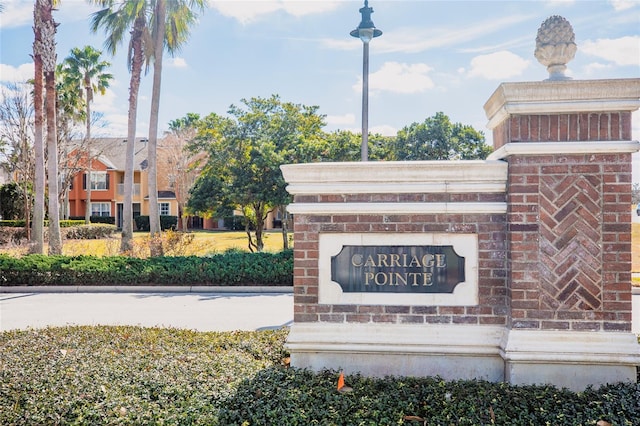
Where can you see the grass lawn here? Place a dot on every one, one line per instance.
(198, 243)
(139, 376)
(203, 243)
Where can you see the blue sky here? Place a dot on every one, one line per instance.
(434, 56)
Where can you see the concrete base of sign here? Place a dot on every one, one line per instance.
(573, 360)
(568, 359)
(451, 352)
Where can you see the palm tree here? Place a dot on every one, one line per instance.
(49, 70)
(44, 52)
(148, 37)
(118, 20)
(84, 65)
(169, 28)
(36, 235)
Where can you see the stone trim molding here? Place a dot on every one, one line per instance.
(559, 346)
(451, 352)
(566, 148)
(396, 177)
(396, 208)
(553, 97)
(443, 187)
(512, 345)
(397, 338)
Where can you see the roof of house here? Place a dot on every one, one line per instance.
(112, 152)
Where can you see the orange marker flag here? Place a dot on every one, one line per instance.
(341, 380)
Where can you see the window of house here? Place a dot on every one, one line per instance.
(100, 209)
(99, 181)
(164, 209)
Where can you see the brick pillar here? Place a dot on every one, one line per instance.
(568, 146)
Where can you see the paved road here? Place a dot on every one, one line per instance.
(635, 318)
(196, 311)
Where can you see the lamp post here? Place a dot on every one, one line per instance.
(366, 32)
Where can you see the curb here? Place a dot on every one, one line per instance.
(145, 289)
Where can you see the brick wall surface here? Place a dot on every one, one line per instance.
(560, 259)
(491, 231)
(594, 126)
(569, 240)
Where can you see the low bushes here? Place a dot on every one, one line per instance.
(12, 235)
(109, 220)
(21, 223)
(133, 375)
(90, 232)
(166, 222)
(232, 268)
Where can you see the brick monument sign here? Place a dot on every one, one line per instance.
(517, 268)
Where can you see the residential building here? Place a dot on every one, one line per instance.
(107, 181)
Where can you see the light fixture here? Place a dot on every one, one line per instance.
(366, 32)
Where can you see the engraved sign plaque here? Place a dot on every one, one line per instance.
(397, 269)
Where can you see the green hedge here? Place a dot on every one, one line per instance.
(20, 223)
(234, 223)
(13, 223)
(228, 269)
(91, 232)
(166, 376)
(109, 220)
(166, 222)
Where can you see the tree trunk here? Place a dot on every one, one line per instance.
(250, 243)
(285, 236)
(27, 218)
(55, 238)
(36, 232)
(126, 244)
(87, 211)
(155, 241)
(261, 216)
(48, 68)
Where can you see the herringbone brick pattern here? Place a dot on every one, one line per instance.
(570, 241)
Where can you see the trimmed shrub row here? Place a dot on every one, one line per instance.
(138, 376)
(21, 223)
(227, 269)
(109, 220)
(91, 232)
(166, 222)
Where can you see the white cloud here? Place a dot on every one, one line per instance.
(399, 78)
(420, 39)
(415, 40)
(177, 63)
(104, 103)
(340, 120)
(619, 5)
(558, 3)
(498, 66)
(16, 14)
(595, 68)
(115, 126)
(384, 130)
(621, 51)
(22, 73)
(246, 12)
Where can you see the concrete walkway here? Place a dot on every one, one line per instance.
(211, 311)
(196, 311)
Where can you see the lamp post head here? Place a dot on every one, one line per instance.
(366, 31)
